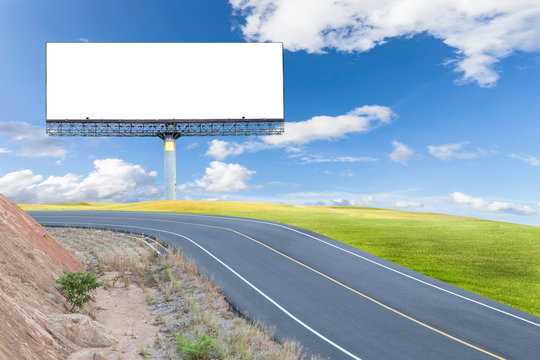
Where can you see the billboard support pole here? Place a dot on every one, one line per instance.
(169, 164)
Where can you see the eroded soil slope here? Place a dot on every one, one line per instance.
(30, 258)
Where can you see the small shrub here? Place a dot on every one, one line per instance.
(199, 349)
(77, 285)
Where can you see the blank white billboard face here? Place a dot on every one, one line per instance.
(160, 81)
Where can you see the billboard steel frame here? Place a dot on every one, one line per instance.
(150, 128)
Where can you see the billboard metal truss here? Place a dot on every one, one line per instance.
(148, 128)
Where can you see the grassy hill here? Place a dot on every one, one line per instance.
(497, 260)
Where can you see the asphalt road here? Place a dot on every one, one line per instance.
(336, 300)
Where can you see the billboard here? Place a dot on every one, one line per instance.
(164, 81)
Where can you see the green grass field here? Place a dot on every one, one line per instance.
(498, 260)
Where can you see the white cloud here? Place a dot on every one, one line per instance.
(343, 202)
(85, 40)
(531, 160)
(482, 32)
(365, 200)
(319, 158)
(408, 204)
(382, 200)
(32, 140)
(221, 177)
(202, 198)
(114, 176)
(455, 151)
(17, 186)
(347, 173)
(359, 120)
(220, 149)
(111, 180)
(492, 206)
(4, 151)
(282, 184)
(219, 198)
(401, 153)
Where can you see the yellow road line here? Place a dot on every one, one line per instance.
(351, 289)
(329, 278)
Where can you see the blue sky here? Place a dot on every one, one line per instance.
(446, 100)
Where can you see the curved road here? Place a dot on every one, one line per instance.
(336, 300)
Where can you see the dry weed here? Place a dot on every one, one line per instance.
(182, 300)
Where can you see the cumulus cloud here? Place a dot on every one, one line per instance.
(4, 151)
(221, 177)
(482, 32)
(32, 141)
(359, 120)
(455, 151)
(409, 204)
(17, 186)
(220, 149)
(492, 206)
(401, 153)
(111, 180)
(531, 160)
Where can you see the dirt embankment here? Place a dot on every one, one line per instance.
(30, 259)
(167, 300)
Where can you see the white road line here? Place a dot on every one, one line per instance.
(315, 332)
(373, 262)
(344, 250)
